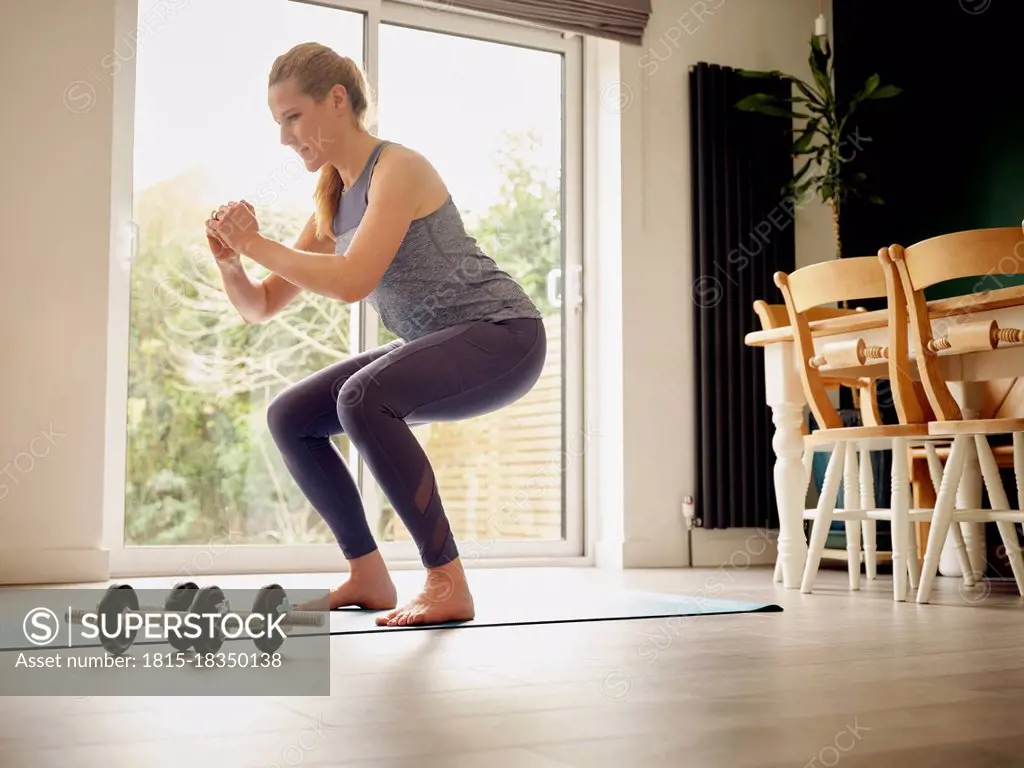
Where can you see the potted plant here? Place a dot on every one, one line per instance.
(827, 120)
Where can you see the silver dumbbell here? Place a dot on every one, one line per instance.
(271, 601)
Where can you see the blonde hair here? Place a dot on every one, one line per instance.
(316, 69)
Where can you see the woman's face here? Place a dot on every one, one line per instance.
(308, 126)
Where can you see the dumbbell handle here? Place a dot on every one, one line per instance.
(291, 618)
(77, 614)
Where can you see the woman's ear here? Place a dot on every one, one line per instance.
(339, 98)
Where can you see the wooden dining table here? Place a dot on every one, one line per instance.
(975, 379)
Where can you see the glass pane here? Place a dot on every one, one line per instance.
(201, 464)
(489, 118)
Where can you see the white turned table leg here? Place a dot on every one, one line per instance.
(784, 396)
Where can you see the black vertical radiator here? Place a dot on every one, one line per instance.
(743, 232)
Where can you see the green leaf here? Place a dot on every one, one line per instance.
(766, 105)
(819, 59)
(885, 92)
(869, 87)
(803, 143)
(758, 100)
(818, 62)
(876, 200)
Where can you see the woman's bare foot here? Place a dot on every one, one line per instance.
(445, 598)
(369, 586)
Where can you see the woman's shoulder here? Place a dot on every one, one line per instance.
(396, 157)
(412, 169)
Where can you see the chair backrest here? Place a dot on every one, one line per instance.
(845, 280)
(774, 316)
(983, 253)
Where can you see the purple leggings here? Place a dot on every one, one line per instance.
(458, 373)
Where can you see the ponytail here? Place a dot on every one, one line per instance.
(327, 196)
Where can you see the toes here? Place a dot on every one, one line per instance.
(406, 616)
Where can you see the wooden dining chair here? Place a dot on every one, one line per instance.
(990, 253)
(846, 280)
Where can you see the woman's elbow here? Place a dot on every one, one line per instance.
(252, 317)
(351, 294)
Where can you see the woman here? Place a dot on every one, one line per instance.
(470, 340)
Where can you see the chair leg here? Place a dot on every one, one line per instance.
(999, 502)
(935, 471)
(869, 528)
(945, 503)
(823, 517)
(900, 526)
(851, 499)
(913, 556)
(1018, 469)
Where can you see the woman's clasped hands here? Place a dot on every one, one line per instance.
(231, 228)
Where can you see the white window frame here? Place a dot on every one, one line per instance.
(198, 561)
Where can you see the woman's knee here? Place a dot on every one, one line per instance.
(356, 395)
(288, 414)
(281, 416)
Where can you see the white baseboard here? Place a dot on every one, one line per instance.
(733, 547)
(53, 566)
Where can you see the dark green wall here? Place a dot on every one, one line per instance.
(948, 153)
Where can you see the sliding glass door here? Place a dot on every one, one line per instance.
(204, 482)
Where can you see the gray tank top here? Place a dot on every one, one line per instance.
(440, 276)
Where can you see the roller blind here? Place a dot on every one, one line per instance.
(622, 20)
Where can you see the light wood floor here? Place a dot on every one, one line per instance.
(838, 678)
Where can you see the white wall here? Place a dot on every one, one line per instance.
(658, 355)
(53, 296)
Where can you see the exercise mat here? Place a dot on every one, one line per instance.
(497, 608)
